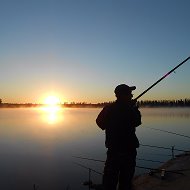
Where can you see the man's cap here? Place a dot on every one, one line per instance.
(124, 89)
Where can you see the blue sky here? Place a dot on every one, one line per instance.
(79, 50)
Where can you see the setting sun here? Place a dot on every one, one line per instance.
(52, 100)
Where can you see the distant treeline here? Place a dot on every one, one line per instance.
(142, 103)
(164, 103)
(157, 103)
(13, 105)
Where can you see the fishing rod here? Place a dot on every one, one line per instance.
(89, 182)
(84, 158)
(167, 74)
(181, 135)
(161, 147)
(96, 160)
(152, 170)
(90, 169)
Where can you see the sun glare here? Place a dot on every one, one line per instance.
(51, 109)
(52, 100)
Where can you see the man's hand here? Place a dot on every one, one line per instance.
(133, 102)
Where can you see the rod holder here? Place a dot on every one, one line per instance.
(173, 155)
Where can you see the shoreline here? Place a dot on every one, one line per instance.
(5, 105)
(172, 175)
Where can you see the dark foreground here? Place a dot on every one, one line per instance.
(173, 175)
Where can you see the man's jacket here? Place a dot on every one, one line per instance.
(119, 121)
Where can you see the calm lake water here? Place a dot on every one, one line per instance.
(37, 146)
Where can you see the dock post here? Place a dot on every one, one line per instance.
(173, 156)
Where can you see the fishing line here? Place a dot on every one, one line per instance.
(150, 160)
(186, 136)
(81, 165)
(91, 159)
(161, 147)
(165, 155)
(142, 167)
(153, 146)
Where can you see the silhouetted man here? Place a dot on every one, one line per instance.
(119, 120)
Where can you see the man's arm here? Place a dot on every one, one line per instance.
(136, 117)
(101, 120)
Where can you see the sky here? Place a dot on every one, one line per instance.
(80, 50)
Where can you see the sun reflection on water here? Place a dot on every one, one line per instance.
(52, 114)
